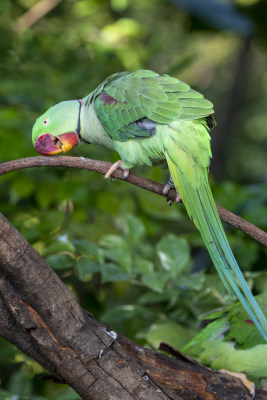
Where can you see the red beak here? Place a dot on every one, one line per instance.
(49, 145)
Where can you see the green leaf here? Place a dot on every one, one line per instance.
(134, 229)
(193, 281)
(260, 281)
(88, 248)
(246, 251)
(111, 272)
(143, 266)
(113, 242)
(117, 250)
(129, 311)
(170, 332)
(155, 297)
(174, 254)
(62, 244)
(20, 384)
(86, 267)
(156, 281)
(67, 394)
(6, 395)
(120, 256)
(60, 261)
(7, 351)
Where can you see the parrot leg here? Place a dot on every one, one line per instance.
(114, 167)
(167, 188)
(247, 383)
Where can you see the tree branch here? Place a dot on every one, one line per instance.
(102, 167)
(42, 318)
(38, 11)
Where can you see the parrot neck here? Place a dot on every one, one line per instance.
(92, 130)
(78, 129)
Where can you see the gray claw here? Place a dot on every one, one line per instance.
(167, 188)
(125, 173)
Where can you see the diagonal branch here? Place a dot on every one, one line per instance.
(38, 11)
(103, 166)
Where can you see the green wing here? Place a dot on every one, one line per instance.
(124, 98)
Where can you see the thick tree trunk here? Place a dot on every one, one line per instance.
(41, 317)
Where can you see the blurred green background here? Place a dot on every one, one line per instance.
(135, 263)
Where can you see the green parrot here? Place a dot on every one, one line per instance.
(231, 341)
(147, 117)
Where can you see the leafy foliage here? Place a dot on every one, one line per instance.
(131, 260)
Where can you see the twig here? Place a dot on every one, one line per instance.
(35, 13)
(103, 166)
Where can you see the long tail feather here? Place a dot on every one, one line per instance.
(201, 207)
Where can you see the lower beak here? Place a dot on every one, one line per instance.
(49, 145)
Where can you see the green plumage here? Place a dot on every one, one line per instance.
(140, 94)
(147, 118)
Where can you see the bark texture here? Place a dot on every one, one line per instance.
(41, 317)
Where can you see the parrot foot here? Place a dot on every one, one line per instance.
(247, 383)
(167, 188)
(114, 167)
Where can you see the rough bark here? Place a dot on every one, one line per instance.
(41, 317)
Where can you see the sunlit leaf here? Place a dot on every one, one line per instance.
(113, 241)
(60, 245)
(134, 229)
(170, 332)
(173, 253)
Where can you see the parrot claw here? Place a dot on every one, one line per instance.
(125, 173)
(247, 383)
(167, 188)
(114, 167)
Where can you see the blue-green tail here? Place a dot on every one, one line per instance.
(201, 207)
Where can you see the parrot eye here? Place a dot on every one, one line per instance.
(45, 121)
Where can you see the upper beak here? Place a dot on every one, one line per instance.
(49, 145)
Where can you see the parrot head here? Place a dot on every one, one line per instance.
(58, 129)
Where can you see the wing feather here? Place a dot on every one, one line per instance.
(125, 98)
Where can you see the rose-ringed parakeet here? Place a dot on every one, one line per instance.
(147, 117)
(231, 341)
